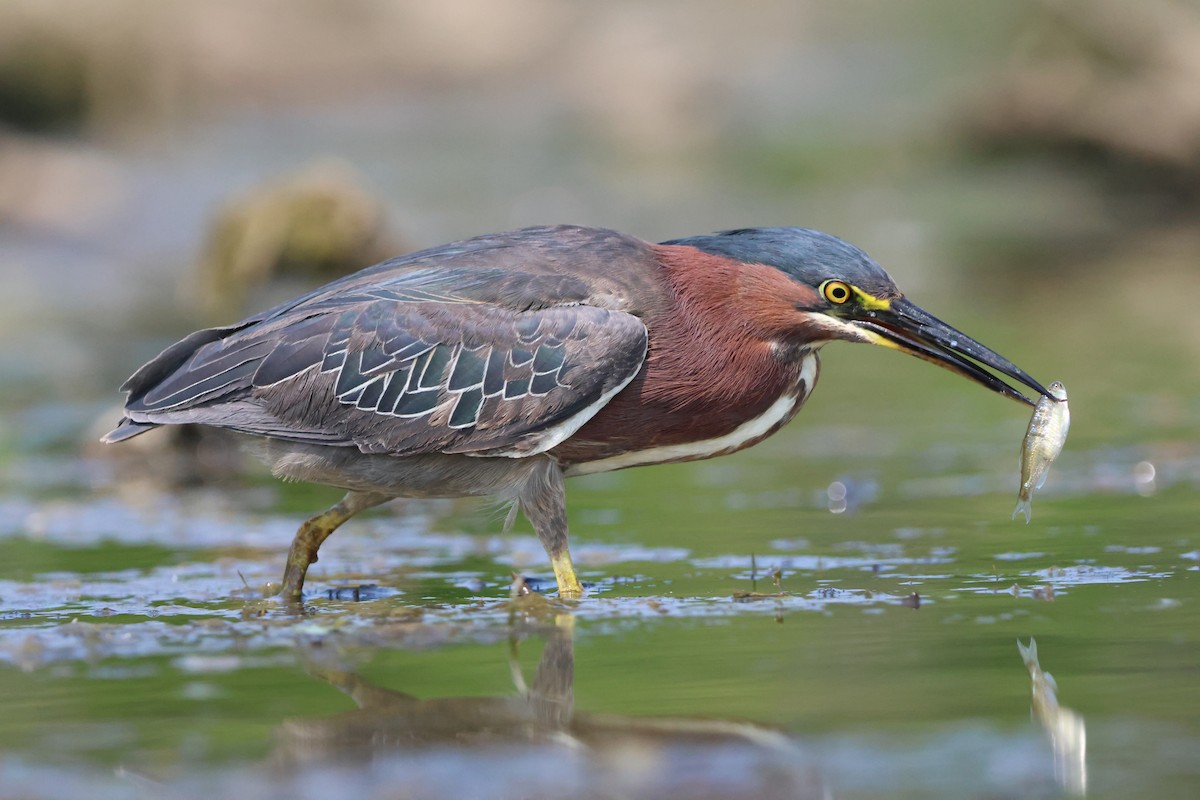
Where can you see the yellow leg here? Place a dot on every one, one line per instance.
(569, 587)
(313, 532)
(544, 501)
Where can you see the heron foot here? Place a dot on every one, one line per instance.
(312, 533)
(569, 587)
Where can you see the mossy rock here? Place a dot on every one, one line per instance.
(310, 227)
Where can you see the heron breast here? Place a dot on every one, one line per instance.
(749, 432)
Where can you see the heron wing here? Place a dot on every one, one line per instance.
(404, 369)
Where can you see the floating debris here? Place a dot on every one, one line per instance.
(1044, 592)
(746, 597)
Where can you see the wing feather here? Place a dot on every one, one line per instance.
(468, 379)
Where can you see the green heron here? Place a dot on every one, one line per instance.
(503, 364)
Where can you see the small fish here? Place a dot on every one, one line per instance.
(1043, 442)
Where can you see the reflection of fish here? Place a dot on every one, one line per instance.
(1043, 442)
(1068, 736)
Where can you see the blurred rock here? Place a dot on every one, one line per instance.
(308, 228)
(75, 65)
(1113, 82)
(43, 82)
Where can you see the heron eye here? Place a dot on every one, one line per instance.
(835, 292)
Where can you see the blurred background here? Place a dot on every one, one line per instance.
(1028, 171)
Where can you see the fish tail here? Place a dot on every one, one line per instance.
(1028, 654)
(1023, 507)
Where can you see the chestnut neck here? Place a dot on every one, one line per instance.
(724, 347)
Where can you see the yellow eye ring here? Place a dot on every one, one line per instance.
(836, 292)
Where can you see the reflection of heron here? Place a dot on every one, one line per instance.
(1068, 735)
(633, 756)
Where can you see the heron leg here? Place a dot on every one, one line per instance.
(316, 530)
(544, 500)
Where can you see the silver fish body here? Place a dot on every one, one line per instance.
(1043, 442)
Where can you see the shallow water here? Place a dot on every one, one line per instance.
(833, 613)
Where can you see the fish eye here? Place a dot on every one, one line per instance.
(835, 292)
